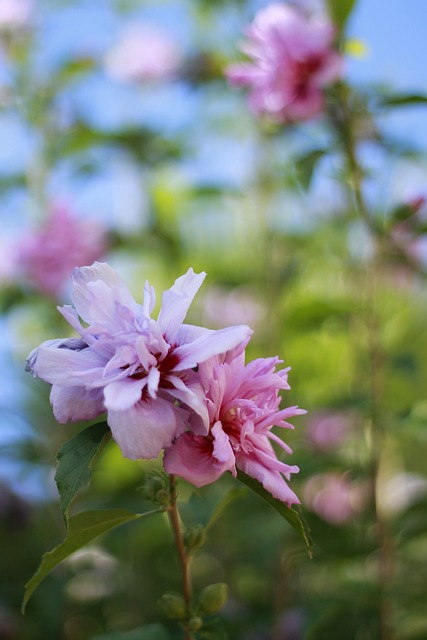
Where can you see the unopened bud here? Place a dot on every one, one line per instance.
(195, 623)
(213, 597)
(194, 537)
(172, 605)
(156, 488)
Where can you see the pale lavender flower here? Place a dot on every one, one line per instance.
(137, 369)
(143, 52)
(292, 61)
(45, 257)
(243, 404)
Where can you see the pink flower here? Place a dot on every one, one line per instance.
(328, 430)
(292, 61)
(47, 256)
(243, 404)
(334, 498)
(137, 369)
(143, 53)
(14, 13)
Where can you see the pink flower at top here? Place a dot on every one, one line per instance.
(46, 257)
(243, 404)
(292, 61)
(14, 13)
(137, 369)
(143, 53)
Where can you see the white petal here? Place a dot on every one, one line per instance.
(176, 301)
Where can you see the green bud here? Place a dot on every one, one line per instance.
(156, 488)
(213, 597)
(194, 624)
(194, 537)
(172, 605)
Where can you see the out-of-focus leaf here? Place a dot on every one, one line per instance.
(403, 100)
(340, 11)
(76, 459)
(148, 632)
(289, 513)
(305, 166)
(83, 528)
(232, 494)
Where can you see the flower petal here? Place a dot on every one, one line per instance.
(97, 292)
(176, 301)
(272, 481)
(210, 344)
(71, 404)
(193, 458)
(146, 428)
(66, 367)
(123, 394)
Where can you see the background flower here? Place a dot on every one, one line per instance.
(292, 61)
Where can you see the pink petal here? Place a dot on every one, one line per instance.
(192, 458)
(71, 404)
(272, 481)
(176, 301)
(210, 344)
(146, 428)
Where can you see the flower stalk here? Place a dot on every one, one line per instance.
(183, 557)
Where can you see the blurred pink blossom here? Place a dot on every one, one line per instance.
(46, 257)
(334, 497)
(143, 53)
(328, 430)
(137, 369)
(243, 403)
(14, 13)
(292, 61)
(222, 307)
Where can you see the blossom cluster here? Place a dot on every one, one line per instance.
(166, 385)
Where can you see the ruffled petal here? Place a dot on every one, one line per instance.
(123, 394)
(208, 345)
(71, 404)
(97, 293)
(193, 458)
(176, 301)
(146, 428)
(64, 366)
(272, 481)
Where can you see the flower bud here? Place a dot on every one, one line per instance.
(156, 488)
(213, 597)
(194, 537)
(172, 605)
(195, 623)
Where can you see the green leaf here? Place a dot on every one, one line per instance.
(305, 166)
(340, 11)
(289, 513)
(403, 100)
(83, 528)
(231, 495)
(76, 459)
(147, 632)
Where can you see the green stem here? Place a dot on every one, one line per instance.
(180, 546)
(345, 130)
